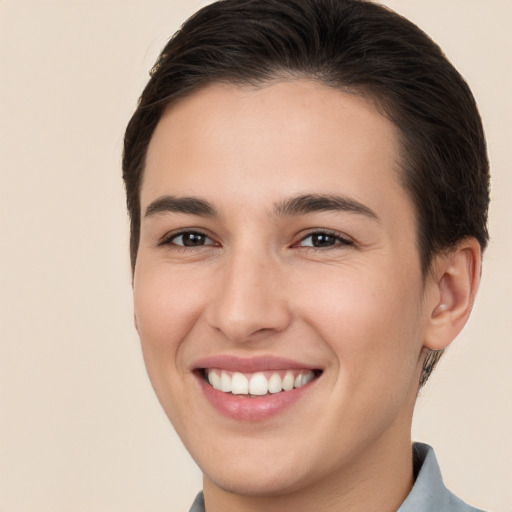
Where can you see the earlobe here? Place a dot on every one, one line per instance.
(453, 285)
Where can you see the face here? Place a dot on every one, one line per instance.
(278, 292)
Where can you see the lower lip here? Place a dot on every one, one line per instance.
(244, 408)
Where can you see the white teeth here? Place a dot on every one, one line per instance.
(214, 379)
(307, 377)
(257, 384)
(239, 384)
(225, 382)
(275, 384)
(288, 381)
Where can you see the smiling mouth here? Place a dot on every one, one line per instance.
(257, 384)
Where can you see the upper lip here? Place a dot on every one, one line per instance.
(250, 365)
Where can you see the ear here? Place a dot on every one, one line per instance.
(451, 290)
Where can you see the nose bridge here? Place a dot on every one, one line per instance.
(248, 299)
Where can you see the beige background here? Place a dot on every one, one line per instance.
(80, 429)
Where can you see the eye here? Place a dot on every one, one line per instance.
(323, 239)
(189, 239)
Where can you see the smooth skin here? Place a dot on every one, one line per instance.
(338, 288)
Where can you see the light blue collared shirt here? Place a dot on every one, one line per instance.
(428, 494)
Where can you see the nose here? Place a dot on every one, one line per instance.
(249, 300)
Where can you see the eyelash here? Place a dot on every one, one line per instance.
(338, 238)
(169, 240)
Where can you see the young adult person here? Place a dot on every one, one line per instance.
(307, 182)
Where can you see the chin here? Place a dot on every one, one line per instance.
(257, 482)
(265, 469)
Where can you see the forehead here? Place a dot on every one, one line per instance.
(284, 137)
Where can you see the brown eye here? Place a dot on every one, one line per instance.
(321, 240)
(190, 239)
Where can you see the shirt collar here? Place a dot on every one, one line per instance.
(198, 505)
(429, 493)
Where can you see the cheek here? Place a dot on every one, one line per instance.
(165, 306)
(166, 309)
(367, 319)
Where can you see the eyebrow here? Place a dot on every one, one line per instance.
(295, 206)
(310, 203)
(190, 205)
